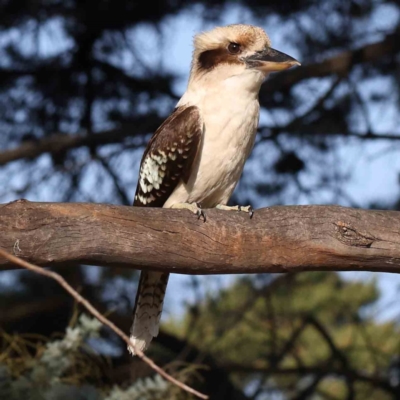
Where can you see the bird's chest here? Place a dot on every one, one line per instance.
(229, 135)
(229, 132)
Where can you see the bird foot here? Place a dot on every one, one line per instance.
(195, 208)
(248, 209)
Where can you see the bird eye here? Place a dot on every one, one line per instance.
(234, 48)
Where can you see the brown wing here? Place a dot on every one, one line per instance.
(169, 157)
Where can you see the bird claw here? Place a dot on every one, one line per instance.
(200, 213)
(248, 209)
(195, 208)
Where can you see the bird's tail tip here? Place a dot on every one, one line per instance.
(147, 311)
(140, 344)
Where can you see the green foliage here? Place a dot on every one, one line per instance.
(58, 369)
(142, 389)
(297, 323)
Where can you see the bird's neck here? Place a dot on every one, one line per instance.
(213, 87)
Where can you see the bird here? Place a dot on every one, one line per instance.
(196, 157)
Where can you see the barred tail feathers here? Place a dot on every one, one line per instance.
(148, 306)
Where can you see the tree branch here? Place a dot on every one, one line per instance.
(277, 239)
(62, 142)
(105, 321)
(326, 369)
(340, 64)
(269, 133)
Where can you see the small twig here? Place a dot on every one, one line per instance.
(58, 278)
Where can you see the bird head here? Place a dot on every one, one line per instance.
(236, 50)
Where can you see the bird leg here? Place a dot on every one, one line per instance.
(248, 209)
(195, 208)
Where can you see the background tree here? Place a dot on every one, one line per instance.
(82, 87)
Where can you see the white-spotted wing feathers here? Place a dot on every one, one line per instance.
(167, 161)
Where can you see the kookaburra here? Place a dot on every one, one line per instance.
(196, 157)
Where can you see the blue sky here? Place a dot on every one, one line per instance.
(374, 166)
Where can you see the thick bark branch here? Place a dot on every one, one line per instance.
(277, 239)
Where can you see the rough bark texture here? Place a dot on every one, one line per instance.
(277, 239)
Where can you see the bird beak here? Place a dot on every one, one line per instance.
(270, 60)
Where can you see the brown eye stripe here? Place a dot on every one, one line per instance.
(209, 59)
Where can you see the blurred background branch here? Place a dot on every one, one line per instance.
(101, 318)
